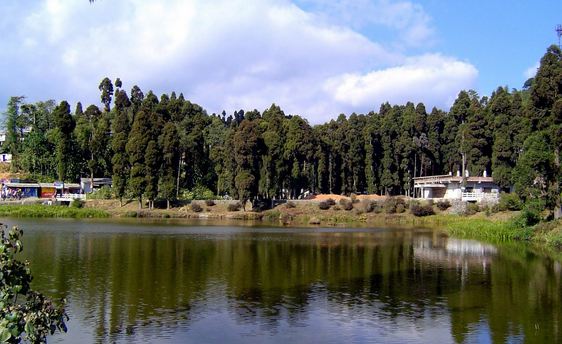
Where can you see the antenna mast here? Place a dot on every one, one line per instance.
(559, 33)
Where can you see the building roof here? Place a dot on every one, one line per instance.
(446, 179)
(22, 185)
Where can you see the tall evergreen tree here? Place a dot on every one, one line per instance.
(136, 147)
(65, 125)
(170, 157)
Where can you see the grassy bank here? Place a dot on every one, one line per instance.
(497, 230)
(38, 211)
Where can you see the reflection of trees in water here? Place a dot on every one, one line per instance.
(124, 282)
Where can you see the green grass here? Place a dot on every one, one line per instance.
(37, 210)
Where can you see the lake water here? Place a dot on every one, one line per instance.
(134, 282)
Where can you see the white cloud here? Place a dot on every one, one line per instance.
(235, 54)
(432, 79)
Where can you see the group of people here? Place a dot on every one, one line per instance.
(8, 193)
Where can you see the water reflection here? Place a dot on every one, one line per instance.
(209, 284)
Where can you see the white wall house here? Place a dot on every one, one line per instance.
(475, 189)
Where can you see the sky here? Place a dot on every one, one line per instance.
(313, 58)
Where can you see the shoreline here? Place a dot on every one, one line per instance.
(486, 227)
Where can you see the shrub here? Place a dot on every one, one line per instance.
(77, 203)
(323, 205)
(509, 201)
(26, 314)
(471, 209)
(291, 205)
(195, 207)
(336, 208)
(102, 193)
(391, 203)
(210, 203)
(443, 205)
(331, 201)
(377, 207)
(198, 192)
(400, 208)
(421, 210)
(354, 198)
(346, 204)
(234, 206)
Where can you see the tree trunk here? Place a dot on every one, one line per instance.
(178, 179)
(168, 204)
(140, 202)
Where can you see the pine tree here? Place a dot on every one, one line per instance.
(136, 147)
(170, 157)
(121, 167)
(65, 125)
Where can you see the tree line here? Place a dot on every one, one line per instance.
(157, 147)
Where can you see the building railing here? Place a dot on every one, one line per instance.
(70, 196)
(479, 196)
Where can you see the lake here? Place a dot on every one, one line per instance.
(143, 282)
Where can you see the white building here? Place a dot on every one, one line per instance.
(474, 189)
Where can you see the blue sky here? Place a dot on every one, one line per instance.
(314, 58)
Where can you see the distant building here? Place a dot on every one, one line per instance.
(470, 189)
(86, 183)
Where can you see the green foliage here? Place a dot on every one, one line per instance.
(105, 192)
(24, 313)
(77, 203)
(509, 201)
(199, 192)
(40, 211)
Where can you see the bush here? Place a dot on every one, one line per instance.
(421, 210)
(290, 205)
(26, 314)
(234, 206)
(210, 203)
(330, 201)
(336, 208)
(354, 198)
(390, 204)
(443, 205)
(530, 215)
(195, 207)
(377, 207)
(400, 208)
(471, 209)
(77, 203)
(346, 204)
(198, 192)
(509, 201)
(102, 193)
(323, 205)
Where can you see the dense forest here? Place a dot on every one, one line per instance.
(159, 148)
